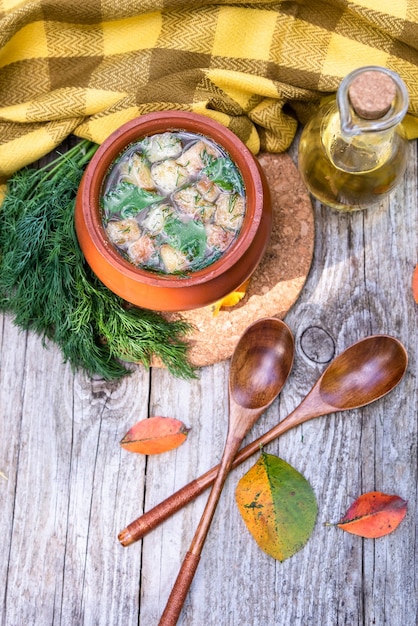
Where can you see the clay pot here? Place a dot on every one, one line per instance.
(173, 293)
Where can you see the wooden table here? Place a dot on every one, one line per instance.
(67, 488)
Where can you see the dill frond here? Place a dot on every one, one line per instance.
(47, 285)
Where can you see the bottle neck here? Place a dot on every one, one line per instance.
(352, 124)
(361, 152)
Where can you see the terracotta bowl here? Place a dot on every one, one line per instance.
(173, 293)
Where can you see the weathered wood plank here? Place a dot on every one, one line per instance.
(359, 285)
(70, 488)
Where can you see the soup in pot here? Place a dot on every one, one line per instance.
(173, 202)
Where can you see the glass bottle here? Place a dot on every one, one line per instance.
(353, 152)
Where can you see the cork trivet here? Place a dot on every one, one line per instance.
(277, 282)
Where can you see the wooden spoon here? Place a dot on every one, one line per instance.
(363, 373)
(259, 368)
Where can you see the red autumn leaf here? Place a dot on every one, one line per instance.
(155, 435)
(373, 515)
(415, 284)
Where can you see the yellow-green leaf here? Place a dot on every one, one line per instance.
(277, 505)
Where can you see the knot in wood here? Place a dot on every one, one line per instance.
(317, 344)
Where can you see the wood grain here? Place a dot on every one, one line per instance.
(67, 487)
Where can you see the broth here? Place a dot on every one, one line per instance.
(173, 202)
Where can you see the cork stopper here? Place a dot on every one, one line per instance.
(371, 94)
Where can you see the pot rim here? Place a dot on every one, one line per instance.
(165, 121)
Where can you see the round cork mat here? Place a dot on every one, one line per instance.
(276, 284)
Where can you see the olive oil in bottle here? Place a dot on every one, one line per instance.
(353, 152)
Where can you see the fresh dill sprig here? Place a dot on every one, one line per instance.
(47, 285)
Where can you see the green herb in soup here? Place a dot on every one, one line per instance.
(126, 200)
(173, 202)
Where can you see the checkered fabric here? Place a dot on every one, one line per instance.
(84, 67)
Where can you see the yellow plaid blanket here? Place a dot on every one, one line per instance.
(85, 67)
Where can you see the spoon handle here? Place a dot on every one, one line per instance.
(151, 519)
(179, 591)
(144, 524)
(188, 568)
